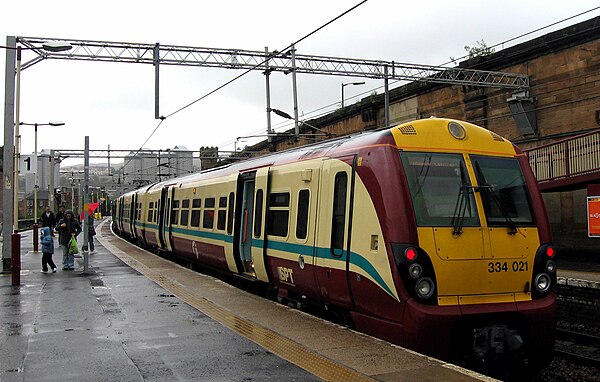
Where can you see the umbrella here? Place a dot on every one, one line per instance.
(91, 208)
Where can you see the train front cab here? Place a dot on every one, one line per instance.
(483, 271)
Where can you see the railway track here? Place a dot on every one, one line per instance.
(579, 348)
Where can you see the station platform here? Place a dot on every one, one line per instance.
(135, 316)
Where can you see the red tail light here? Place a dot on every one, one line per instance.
(410, 254)
(550, 252)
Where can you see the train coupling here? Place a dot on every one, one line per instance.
(495, 341)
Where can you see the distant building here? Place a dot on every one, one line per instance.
(175, 162)
(26, 205)
(140, 168)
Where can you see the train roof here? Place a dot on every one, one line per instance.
(306, 152)
(432, 133)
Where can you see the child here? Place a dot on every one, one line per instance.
(47, 250)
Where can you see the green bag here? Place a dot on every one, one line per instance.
(73, 250)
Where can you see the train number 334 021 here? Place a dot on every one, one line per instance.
(516, 266)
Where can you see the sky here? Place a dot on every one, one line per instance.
(113, 103)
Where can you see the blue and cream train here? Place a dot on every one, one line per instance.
(431, 235)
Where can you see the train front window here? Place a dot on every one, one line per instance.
(441, 191)
(503, 191)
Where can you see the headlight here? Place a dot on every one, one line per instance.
(415, 271)
(542, 282)
(550, 266)
(424, 288)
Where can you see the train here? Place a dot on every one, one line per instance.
(431, 235)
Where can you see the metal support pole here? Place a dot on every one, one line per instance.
(17, 137)
(86, 178)
(387, 98)
(35, 196)
(9, 125)
(295, 91)
(51, 181)
(156, 80)
(268, 91)
(16, 258)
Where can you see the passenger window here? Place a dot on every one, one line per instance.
(230, 213)
(196, 204)
(338, 223)
(208, 219)
(302, 217)
(258, 211)
(279, 214)
(175, 212)
(185, 211)
(222, 216)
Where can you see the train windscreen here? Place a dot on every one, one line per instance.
(441, 191)
(503, 191)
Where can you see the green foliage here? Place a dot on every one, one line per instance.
(480, 50)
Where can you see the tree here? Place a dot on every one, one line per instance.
(480, 50)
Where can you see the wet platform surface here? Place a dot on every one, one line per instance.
(135, 316)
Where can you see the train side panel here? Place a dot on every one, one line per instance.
(291, 208)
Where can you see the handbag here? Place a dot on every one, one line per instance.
(73, 250)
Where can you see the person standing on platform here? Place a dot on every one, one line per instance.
(67, 228)
(47, 250)
(48, 219)
(91, 232)
(60, 214)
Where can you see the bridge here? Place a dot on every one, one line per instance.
(568, 164)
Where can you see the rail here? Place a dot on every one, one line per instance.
(580, 348)
(568, 158)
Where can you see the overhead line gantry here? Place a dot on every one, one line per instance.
(268, 61)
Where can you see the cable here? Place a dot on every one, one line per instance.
(267, 59)
(162, 119)
(253, 68)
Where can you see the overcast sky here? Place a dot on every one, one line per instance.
(113, 103)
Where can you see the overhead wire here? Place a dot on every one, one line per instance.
(269, 57)
(326, 107)
(502, 43)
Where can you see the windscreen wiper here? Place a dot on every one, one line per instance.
(462, 203)
(490, 189)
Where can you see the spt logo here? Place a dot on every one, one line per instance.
(286, 275)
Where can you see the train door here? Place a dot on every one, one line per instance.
(258, 230)
(334, 230)
(132, 209)
(164, 226)
(120, 205)
(245, 220)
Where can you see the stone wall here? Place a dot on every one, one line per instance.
(578, 301)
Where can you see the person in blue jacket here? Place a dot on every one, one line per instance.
(47, 250)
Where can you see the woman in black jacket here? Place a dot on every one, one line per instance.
(68, 227)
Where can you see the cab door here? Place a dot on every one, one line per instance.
(334, 230)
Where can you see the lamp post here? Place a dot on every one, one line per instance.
(35, 179)
(15, 263)
(346, 84)
(285, 115)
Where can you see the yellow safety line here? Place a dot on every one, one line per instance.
(285, 348)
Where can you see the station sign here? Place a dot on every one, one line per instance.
(593, 209)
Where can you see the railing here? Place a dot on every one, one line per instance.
(570, 157)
